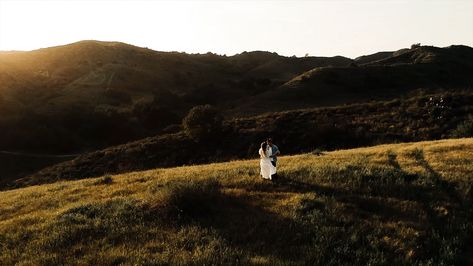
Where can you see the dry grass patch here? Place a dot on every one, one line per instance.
(402, 204)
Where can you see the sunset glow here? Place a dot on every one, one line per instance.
(349, 28)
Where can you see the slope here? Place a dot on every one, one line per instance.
(402, 204)
(418, 118)
(89, 95)
(390, 77)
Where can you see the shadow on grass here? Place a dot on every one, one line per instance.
(450, 216)
(424, 201)
(238, 218)
(392, 161)
(251, 228)
(223, 228)
(338, 226)
(447, 187)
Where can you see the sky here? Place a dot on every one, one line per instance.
(317, 28)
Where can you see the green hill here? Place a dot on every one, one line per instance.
(401, 204)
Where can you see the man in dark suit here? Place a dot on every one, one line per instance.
(274, 154)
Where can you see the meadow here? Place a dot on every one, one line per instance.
(397, 204)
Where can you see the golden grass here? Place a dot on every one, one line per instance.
(378, 205)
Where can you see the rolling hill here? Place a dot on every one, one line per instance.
(427, 117)
(400, 204)
(386, 78)
(90, 95)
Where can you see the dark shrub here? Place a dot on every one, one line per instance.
(105, 180)
(203, 122)
(191, 200)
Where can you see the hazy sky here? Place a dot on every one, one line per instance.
(349, 28)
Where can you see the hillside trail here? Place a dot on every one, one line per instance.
(38, 155)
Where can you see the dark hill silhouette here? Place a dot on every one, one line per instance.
(91, 95)
(49, 94)
(389, 77)
(455, 54)
(418, 118)
(373, 57)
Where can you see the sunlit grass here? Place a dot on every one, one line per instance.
(390, 204)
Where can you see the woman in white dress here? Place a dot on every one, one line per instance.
(267, 168)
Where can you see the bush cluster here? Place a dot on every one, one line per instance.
(203, 122)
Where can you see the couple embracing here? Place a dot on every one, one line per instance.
(268, 154)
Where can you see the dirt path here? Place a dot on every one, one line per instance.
(38, 155)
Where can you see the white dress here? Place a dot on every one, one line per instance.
(267, 168)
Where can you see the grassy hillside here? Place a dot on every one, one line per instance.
(90, 95)
(418, 118)
(402, 204)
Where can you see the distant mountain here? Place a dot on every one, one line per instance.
(380, 76)
(95, 73)
(455, 54)
(91, 95)
(94, 94)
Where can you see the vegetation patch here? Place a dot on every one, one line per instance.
(401, 204)
(464, 129)
(189, 201)
(105, 180)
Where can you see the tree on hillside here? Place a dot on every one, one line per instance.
(203, 122)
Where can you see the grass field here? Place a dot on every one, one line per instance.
(401, 204)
